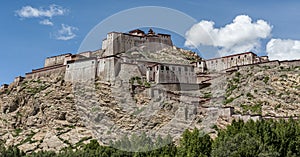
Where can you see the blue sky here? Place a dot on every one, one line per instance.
(25, 43)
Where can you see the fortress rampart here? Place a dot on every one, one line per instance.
(107, 64)
(227, 62)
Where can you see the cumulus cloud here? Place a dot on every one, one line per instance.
(31, 12)
(283, 49)
(46, 22)
(66, 32)
(239, 36)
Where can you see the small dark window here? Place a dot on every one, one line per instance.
(92, 62)
(231, 58)
(68, 66)
(162, 68)
(185, 69)
(167, 68)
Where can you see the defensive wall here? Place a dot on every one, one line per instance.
(54, 70)
(107, 64)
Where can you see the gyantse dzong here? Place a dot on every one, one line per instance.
(120, 57)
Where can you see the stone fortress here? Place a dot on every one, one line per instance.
(137, 54)
(107, 63)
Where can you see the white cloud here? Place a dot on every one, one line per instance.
(239, 36)
(31, 12)
(287, 49)
(46, 22)
(66, 32)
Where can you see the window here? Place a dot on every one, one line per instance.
(167, 68)
(162, 68)
(185, 69)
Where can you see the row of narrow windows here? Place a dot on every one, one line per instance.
(139, 42)
(230, 59)
(167, 68)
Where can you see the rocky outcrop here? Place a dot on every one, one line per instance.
(40, 115)
(265, 90)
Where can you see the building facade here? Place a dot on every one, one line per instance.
(227, 62)
(117, 42)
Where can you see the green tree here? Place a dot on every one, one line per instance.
(194, 143)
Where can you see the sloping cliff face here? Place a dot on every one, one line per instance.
(40, 115)
(270, 91)
(51, 114)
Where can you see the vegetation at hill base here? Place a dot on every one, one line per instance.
(261, 138)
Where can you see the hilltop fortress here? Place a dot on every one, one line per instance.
(115, 59)
(138, 82)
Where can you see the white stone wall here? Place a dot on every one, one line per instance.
(86, 54)
(127, 71)
(104, 44)
(101, 69)
(171, 73)
(55, 60)
(108, 68)
(227, 62)
(81, 70)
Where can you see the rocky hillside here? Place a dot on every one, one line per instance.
(40, 115)
(51, 114)
(265, 90)
(166, 55)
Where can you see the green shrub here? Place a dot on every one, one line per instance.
(266, 79)
(227, 101)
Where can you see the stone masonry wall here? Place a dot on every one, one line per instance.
(82, 70)
(121, 42)
(55, 60)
